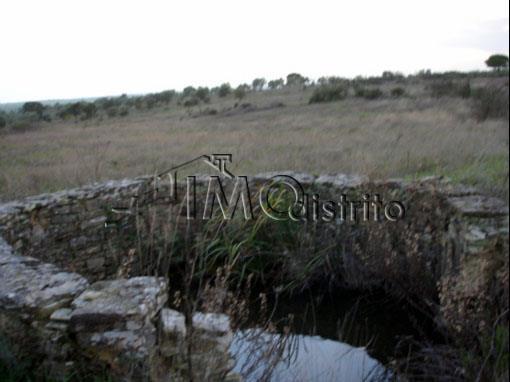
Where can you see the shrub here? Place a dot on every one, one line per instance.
(258, 84)
(3, 122)
(72, 110)
(397, 92)
(449, 88)
(392, 76)
(84, 109)
(464, 89)
(193, 101)
(88, 110)
(276, 84)
(21, 126)
(368, 93)
(328, 93)
(296, 79)
(106, 103)
(150, 101)
(202, 94)
(224, 90)
(491, 102)
(33, 107)
(359, 91)
(188, 91)
(374, 93)
(240, 92)
(166, 96)
(112, 112)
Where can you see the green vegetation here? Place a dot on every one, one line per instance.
(33, 107)
(276, 84)
(296, 79)
(258, 84)
(368, 93)
(224, 90)
(240, 92)
(398, 92)
(449, 88)
(491, 102)
(328, 93)
(439, 111)
(497, 61)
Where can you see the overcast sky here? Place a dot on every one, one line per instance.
(85, 48)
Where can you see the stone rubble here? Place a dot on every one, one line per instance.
(59, 256)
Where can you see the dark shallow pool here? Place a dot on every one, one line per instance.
(335, 337)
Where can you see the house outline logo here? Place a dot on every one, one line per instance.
(297, 210)
(218, 162)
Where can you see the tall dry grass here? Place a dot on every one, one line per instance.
(402, 137)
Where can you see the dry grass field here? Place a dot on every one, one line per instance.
(406, 137)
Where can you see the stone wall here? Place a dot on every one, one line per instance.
(61, 300)
(63, 325)
(68, 228)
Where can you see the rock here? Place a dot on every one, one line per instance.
(479, 206)
(173, 322)
(301, 177)
(96, 264)
(28, 284)
(212, 323)
(342, 180)
(120, 301)
(115, 320)
(63, 315)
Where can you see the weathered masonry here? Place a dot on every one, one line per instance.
(63, 300)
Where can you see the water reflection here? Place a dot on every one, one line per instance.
(302, 358)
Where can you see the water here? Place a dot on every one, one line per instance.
(306, 358)
(342, 337)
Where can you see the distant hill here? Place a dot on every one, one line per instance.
(13, 106)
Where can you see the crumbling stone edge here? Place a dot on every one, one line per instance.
(123, 323)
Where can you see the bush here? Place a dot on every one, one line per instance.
(449, 88)
(202, 94)
(112, 112)
(328, 93)
(374, 93)
(464, 90)
(258, 84)
(20, 126)
(370, 93)
(84, 109)
(193, 101)
(276, 84)
(166, 96)
(392, 76)
(240, 92)
(88, 110)
(296, 79)
(33, 107)
(224, 90)
(3, 122)
(106, 103)
(398, 92)
(491, 102)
